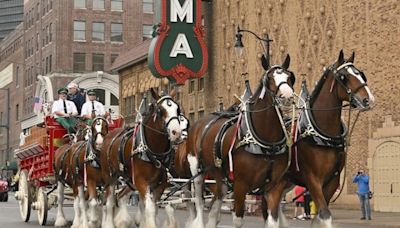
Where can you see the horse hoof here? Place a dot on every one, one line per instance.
(60, 222)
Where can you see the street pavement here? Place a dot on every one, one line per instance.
(10, 218)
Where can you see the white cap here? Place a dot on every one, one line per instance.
(72, 85)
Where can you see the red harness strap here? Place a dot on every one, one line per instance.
(233, 140)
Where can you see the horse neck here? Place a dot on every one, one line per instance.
(156, 141)
(326, 108)
(266, 123)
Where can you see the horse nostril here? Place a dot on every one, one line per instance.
(173, 132)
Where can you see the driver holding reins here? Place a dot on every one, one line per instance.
(92, 108)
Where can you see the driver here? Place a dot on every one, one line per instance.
(92, 108)
(64, 111)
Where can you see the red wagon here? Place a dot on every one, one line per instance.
(36, 157)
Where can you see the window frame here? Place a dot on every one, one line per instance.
(95, 31)
(76, 22)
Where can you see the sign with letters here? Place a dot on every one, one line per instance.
(178, 50)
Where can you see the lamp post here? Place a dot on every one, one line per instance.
(7, 126)
(239, 44)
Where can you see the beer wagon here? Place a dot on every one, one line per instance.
(36, 157)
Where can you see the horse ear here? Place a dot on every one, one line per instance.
(154, 94)
(264, 62)
(286, 63)
(351, 59)
(173, 92)
(340, 58)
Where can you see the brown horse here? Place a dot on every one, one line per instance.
(71, 165)
(260, 155)
(140, 155)
(322, 135)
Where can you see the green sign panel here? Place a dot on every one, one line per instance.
(178, 50)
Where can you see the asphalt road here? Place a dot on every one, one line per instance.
(10, 218)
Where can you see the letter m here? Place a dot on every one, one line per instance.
(182, 11)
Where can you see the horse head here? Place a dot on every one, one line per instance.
(353, 83)
(278, 80)
(165, 109)
(99, 130)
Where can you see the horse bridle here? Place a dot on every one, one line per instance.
(95, 122)
(266, 79)
(340, 77)
(158, 111)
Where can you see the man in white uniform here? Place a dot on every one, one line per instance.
(92, 108)
(64, 111)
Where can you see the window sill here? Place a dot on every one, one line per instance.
(80, 41)
(117, 42)
(98, 42)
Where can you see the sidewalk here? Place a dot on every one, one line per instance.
(347, 216)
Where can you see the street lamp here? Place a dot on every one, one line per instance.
(239, 44)
(7, 126)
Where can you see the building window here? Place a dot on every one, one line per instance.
(1, 121)
(201, 84)
(191, 117)
(201, 114)
(130, 105)
(191, 86)
(37, 41)
(47, 34)
(116, 5)
(79, 30)
(113, 100)
(80, 4)
(17, 76)
(17, 112)
(98, 62)
(116, 32)
(147, 6)
(79, 62)
(50, 62)
(98, 31)
(147, 31)
(98, 4)
(113, 58)
(50, 32)
(37, 11)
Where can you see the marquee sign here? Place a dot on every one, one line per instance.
(178, 50)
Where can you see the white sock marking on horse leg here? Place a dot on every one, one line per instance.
(170, 222)
(109, 221)
(60, 220)
(77, 213)
(82, 206)
(326, 223)
(123, 219)
(190, 207)
(93, 215)
(213, 215)
(198, 187)
(237, 221)
(149, 211)
(271, 222)
(282, 218)
(138, 217)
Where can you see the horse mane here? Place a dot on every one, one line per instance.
(318, 86)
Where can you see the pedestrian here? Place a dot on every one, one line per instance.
(299, 201)
(75, 96)
(307, 201)
(92, 108)
(362, 181)
(64, 111)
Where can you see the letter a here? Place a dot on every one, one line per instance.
(181, 46)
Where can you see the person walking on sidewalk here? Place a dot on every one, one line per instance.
(299, 200)
(362, 181)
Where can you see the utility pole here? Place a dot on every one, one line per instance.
(7, 126)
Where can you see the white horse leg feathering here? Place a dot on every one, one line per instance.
(60, 219)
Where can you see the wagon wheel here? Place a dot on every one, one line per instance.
(42, 206)
(26, 198)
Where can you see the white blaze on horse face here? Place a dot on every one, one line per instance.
(371, 97)
(184, 123)
(284, 90)
(173, 125)
(99, 127)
